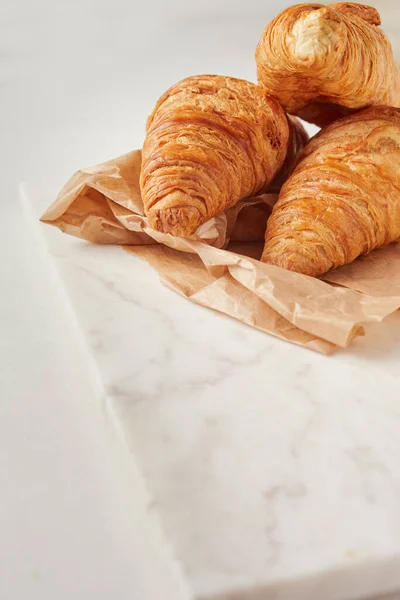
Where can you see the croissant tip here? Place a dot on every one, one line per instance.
(293, 261)
(180, 221)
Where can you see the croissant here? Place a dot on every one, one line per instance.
(210, 141)
(343, 198)
(298, 138)
(324, 62)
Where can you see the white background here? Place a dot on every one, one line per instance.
(77, 81)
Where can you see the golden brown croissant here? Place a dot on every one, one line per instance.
(298, 138)
(324, 62)
(343, 198)
(211, 141)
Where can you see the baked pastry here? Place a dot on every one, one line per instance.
(343, 198)
(298, 138)
(324, 62)
(210, 141)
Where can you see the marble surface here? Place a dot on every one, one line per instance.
(274, 470)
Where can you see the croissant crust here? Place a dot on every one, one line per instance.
(342, 199)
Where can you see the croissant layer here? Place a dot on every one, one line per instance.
(210, 141)
(324, 62)
(343, 198)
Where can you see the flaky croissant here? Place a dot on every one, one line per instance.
(324, 62)
(210, 141)
(298, 138)
(343, 198)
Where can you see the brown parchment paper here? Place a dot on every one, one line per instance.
(219, 268)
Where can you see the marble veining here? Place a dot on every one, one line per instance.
(275, 471)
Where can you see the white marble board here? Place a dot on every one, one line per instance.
(274, 470)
